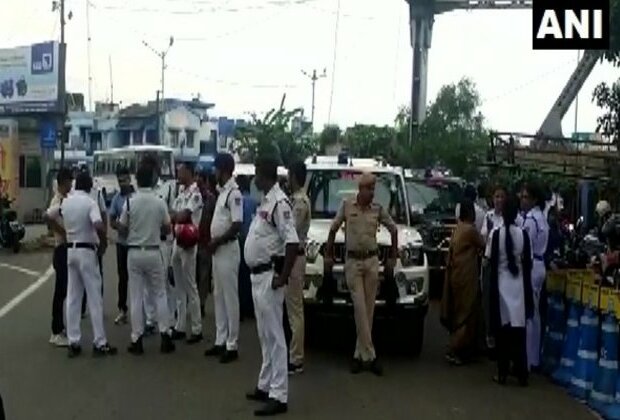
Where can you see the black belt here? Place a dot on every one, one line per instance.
(362, 255)
(82, 245)
(144, 247)
(261, 268)
(539, 257)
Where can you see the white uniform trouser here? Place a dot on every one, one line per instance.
(171, 292)
(84, 275)
(533, 325)
(226, 294)
(184, 269)
(150, 306)
(146, 272)
(273, 377)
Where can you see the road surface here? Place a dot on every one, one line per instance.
(38, 381)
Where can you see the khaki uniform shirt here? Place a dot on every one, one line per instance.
(56, 202)
(362, 224)
(301, 211)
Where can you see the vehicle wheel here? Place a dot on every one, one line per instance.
(415, 339)
(17, 247)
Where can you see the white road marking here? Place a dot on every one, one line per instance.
(21, 269)
(26, 292)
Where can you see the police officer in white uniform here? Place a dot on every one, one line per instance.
(270, 252)
(145, 218)
(85, 232)
(167, 193)
(224, 246)
(187, 209)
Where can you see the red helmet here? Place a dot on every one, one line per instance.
(186, 235)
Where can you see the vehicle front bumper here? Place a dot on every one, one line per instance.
(407, 295)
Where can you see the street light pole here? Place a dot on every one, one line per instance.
(314, 77)
(162, 55)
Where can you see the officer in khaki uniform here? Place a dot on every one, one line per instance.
(362, 218)
(295, 289)
(145, 218)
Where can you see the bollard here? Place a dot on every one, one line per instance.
(562, 375)
(604, 391)
(587, 355)
(554, 334)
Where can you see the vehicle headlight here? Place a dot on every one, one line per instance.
(411, 255)
(312, 250)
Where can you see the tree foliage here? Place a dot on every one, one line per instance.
(275, 135)
(608, 99)
(330, 136)
(369, 140)
(452, 133)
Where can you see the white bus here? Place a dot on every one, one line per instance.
(106, 163)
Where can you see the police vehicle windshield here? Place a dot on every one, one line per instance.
(430, 197)
(328, 188)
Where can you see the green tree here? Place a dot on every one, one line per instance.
(452, 133)
(275, 135)
(608, 99)
(330, 136)
(370, 140)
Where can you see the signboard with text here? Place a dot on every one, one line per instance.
(9, 159)
(29, 79)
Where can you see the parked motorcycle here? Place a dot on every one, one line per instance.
(11, 230)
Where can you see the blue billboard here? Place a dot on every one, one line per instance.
(29, 79)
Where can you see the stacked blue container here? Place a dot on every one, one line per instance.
(604, 390)
(554, 333)
(563, 373)
(587, 355)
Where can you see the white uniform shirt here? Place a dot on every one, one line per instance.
(264, 239)
(167, 194)
(228, 209)
(493, 220)
(190, 199)
(538, 229)
(96, 195)
(146, 215)
(511, 292)
(79, 213)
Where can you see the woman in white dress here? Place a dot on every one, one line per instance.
(510, 294)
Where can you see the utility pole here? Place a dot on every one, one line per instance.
(313, 78)
(88, 52)
(59, 6)
(577, 96)
(162, 55)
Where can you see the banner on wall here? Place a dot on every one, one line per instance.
(29, 79)
(9, 159)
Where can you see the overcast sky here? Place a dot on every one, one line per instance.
(243, 58)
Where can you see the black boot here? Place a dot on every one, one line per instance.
(136, 348)
(167, 345)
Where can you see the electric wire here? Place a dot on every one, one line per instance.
(331, 93)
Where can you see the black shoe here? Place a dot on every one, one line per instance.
(150, 330)
(105, 350)
(294, 369)
(375, 367)
(178, 335)
(167, 345)
(271, 408)
(356, 366)
(74, 350)
(194, 338)
(500, 380)
(229, 356)
(215, 351)
(136, 347)
(257, 395)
